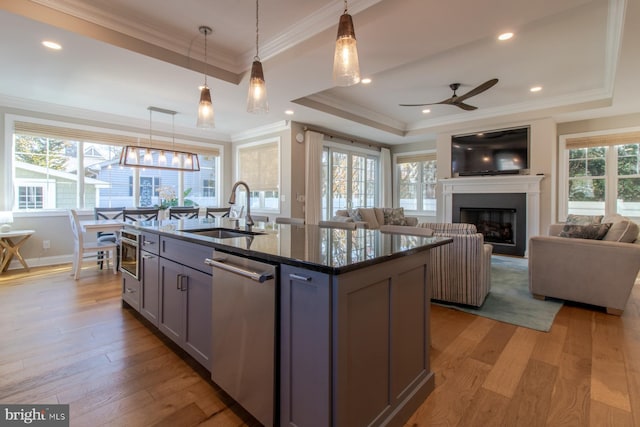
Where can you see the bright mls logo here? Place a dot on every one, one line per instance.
(36, 415)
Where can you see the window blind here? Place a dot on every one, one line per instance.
(416, 158)
(72, 134)
(259, 166)
(603, 140)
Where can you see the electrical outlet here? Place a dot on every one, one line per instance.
(46, 244)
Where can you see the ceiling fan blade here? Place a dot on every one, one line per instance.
(477, 90)
(465, 106)
(414, 105)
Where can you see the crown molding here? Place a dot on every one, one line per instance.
(278, 126)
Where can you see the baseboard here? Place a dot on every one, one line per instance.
(41, 261)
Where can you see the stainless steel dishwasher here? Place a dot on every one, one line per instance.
(244, 332)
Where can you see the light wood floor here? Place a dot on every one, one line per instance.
(66, 341)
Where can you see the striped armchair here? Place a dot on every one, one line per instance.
(459, 272)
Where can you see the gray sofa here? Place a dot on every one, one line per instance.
(596, 272)
(373, 218)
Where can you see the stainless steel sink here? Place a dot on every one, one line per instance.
(223, 233)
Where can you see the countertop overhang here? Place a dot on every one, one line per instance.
(328, 250)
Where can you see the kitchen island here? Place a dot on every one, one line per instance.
(351, 331)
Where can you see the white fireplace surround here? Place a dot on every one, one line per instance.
(528, 184)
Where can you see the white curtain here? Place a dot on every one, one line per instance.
(385, 178)
(313, 160)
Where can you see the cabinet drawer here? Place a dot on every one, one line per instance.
(150, 243)
(131, 291)
(186, 253)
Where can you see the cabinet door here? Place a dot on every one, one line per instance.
(305, 364)
(198, 316)
(150, 289)
(172, 304)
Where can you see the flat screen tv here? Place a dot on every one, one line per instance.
(494, 152)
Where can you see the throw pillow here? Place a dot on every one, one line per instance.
(340, 218)
(355, 214)
(625, 231)
(369, 216)
(394, 216)
(584, 219)
(591, 231)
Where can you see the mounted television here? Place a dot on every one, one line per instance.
(497, 152)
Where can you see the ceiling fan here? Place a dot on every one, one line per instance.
(458, 100)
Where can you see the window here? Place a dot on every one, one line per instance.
(350, 180)
(601, 175)
(259, 166)
(62, 168)
(416, 182)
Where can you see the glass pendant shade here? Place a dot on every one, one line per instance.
(346, 69)
(205, 109)
(257, 98)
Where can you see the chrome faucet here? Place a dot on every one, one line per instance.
(232, 200)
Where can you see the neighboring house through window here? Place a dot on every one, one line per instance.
(56, 167)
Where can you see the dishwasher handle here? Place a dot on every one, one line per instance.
(253, 275)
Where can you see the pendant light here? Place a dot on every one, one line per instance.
(257, 98)
(205, 107)
(346, 70)
(136, 156)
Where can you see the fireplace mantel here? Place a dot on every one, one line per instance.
(528, 184)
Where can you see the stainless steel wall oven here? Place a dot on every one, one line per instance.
(130, 242)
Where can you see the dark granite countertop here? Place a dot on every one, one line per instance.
(328, 250)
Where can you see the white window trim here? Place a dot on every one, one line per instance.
(563, 170)
(396, 181)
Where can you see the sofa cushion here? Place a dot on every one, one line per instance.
(590, 231)
(369, 216)
(583, 219)
(394, 216)
(379, 215)
(624, 230)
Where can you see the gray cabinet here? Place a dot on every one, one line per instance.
(305, 343)
(150, 287)
(354, 346)
(185, 308)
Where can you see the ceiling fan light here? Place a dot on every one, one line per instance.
(346, 69)
(205, 109)
(257, 98)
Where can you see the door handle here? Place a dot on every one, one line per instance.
(253, 275)
(299, 277)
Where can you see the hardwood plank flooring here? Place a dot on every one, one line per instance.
(67, 341)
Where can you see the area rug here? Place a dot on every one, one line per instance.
(510, 300)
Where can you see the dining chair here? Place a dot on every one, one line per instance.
(338, 224)
(286, 220)
(82, 246)
(107, 213)
(210, 212)
(260, 218)
(137, 214)
(184, 212)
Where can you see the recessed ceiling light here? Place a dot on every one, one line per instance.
(51, 45)
(289, 112)
(536, 89)
(505, 36)
(426, 111)
(365, 81)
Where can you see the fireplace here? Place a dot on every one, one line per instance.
(500, 217)
(524, 185)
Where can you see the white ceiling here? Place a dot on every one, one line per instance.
(121, 56)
